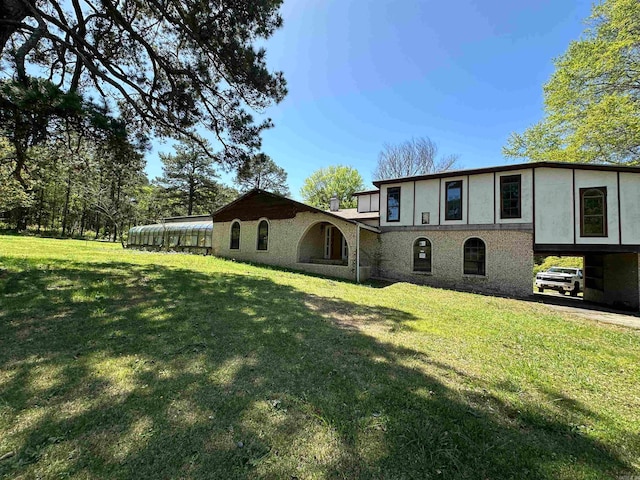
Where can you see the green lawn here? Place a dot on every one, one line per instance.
(124, 364)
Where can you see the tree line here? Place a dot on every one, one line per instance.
(77, 187)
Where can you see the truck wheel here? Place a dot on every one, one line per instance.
(576, 289)
(561, 292)
(540, 289)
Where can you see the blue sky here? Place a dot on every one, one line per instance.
(362, 73)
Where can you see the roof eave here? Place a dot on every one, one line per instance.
(506, 168)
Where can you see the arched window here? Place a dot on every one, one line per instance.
(235, 236)
(593, 212)
(474, 257)
(263, 235)
(422, 255)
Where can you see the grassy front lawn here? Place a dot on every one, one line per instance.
(123, 364)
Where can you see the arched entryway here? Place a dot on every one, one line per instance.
(323, 243)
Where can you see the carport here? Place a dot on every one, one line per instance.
(611, 272)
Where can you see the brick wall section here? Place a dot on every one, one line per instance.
(284, 240)
(369, 249)
(509, 260)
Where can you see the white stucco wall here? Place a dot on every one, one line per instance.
(630, 208)
(427, 192)
(481, 200)
(369, 203)
(375, 202)
(364, 203)
(554, 205)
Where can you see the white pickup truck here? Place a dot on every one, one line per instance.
(562, 279)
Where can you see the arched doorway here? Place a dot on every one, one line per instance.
(323, 242)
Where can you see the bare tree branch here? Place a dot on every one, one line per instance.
(413, 157)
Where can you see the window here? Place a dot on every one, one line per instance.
(263, 235)
(454, 200)
(235, 236)
(474, 257)
(393, 204)
(422, 255)
(510, 201)
(593, 212)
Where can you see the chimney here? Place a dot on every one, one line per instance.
(334, 203)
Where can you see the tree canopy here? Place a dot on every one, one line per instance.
(418, 156)
(164, 66)
(262, 172)
(322, 184)
(592, 101)
(189, 180)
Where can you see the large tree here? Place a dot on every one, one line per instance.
(338, 180)
(262, 172)
(592, 101)
(418, 156)
(189, 179)
(165, 66)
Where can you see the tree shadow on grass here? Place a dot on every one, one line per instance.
(116, 370)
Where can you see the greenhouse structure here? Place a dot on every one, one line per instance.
(179, 234)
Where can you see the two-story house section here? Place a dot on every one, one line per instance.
(479, 229)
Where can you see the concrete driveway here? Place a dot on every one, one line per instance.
(576, 306)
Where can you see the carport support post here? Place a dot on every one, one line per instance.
(358, 253)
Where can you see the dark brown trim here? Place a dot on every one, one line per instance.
(446, 200)
(573, 204)
(522, 227)
(605, 219)
(570, 248)
(439, 201)
(508, 168)
(399, 204)
(503, 179)
(533, 206)
(467, 201)
(494, 197)
(413, 218)
(619, 212)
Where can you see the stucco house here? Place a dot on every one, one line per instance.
(475, 229)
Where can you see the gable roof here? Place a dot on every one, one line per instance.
(258, 203)
(507, 168)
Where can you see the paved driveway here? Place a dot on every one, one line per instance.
(575, 306)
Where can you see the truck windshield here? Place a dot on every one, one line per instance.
(568, 271)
